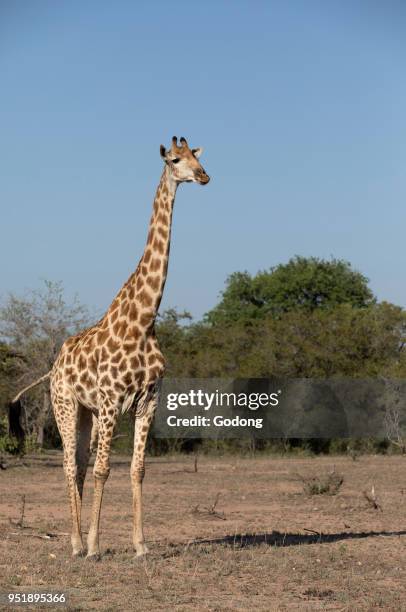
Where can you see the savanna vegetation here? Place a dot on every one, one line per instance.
(309, 318)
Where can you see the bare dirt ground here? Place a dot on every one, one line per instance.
(266, 545)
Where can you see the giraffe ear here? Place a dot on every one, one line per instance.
(197, 152)
(162, 150)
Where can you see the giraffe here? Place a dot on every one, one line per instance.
(115, 366)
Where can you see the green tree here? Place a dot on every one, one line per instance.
(338, 342)
(9, 360)
(171, 330)
(301, 284)
(323, 343)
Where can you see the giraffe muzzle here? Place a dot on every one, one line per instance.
(202, 178)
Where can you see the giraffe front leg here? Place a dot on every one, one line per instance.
(101, 471)
(142, 425)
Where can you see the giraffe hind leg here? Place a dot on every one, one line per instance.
(83, 447)
(66, 411)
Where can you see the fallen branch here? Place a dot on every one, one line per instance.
(318, 533)
(43, 536)
(210, 510)
(32, 535)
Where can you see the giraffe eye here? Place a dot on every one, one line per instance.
(176, 160)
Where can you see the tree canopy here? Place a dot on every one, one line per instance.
(341, 341)
(301, 284)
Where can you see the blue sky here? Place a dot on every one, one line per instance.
(299, 105)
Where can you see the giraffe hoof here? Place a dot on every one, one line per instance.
(78, 553)
(93, 557)
(141, 550)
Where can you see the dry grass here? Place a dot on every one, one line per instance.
(277, 549)
(322, 484)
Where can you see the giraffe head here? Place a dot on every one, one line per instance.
(183, 163)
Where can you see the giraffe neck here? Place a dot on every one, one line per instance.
(137, 303)
(150, 276)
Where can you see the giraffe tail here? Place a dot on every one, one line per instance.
(31, 386)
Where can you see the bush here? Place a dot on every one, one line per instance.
(8, 444)
(326, 484)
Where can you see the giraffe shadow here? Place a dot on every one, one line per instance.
(276, 538)
(248, 541)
